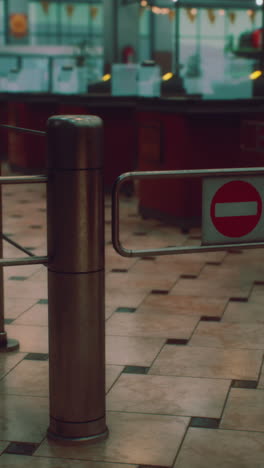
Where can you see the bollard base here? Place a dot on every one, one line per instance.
(7, 344)
(76, 439)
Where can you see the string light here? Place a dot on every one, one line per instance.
(256, 74)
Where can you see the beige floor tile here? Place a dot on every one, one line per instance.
(112, 374)
(9, 251)
(18, 461)
(134, 438)
(152, 267)
(144, 242)
(257, 294)
(114, 260)
(32, 339)
(8, 361)
(40, 275)
(261, 378)
(133, 351)
(216, 363)
(109, 311)
(151, 323)
(29, 378)
(187, 305)
(23, 419)
(203, 257)
(211, 288)
(227, 273)
(179, 396)
(36, 315)
(205, 448)
(21, 270)
(132, 281)
(229, 335)
(243, 312)
(15, 307)
(244, 410)
(26, 289)
(116, 297)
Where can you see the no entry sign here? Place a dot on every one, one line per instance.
(233, 210)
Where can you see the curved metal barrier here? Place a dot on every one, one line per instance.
(197, 173)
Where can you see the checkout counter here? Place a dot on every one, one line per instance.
(158, 132)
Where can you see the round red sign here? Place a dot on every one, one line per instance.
(236, 208)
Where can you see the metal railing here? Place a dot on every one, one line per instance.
(197, 173)
(75, 264)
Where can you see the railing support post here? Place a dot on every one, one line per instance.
(6, 344)
(76, 278)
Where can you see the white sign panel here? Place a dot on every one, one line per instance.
(233, 210)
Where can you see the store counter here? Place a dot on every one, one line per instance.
(149, 134)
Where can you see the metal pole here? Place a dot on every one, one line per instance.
(6, 344)
(76, 278)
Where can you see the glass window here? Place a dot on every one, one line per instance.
(66, 22)
(144, 34)
(2, 22)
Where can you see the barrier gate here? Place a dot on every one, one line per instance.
(75, 260)
(233, 209)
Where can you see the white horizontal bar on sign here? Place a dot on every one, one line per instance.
(223, 210)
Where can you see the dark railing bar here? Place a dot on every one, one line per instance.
(34, 179)
(15, 244)
(25, 130)
(4, 262)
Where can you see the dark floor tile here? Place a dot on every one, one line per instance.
(135, 370)
(119, 270)
(8, 321)
(36, 357)
(213, 263)
(30, 248)
(21, 448)
(258, 283)
(139, 233)
(36, 226)
(244, 384)
(127, 310)
(42, 301)
(207, 423)
(208, 318)
(238, 299)
(153, 466)
(18, 278)
(24, 202)
(16, 216)
(176, 341)
(184, 276)
(159, 291)
(148, 258)
(235, 250)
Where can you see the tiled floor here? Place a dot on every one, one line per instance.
(184, 351)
